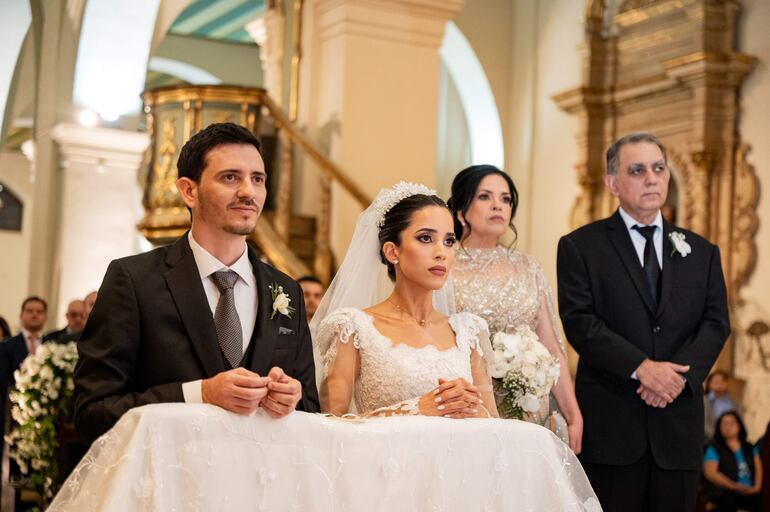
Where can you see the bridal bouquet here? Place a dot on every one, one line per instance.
(524, 371)
(44, 385)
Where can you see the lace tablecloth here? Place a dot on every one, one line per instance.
(189, 457)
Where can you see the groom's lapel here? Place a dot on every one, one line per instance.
(184, 282)
(621, 240)
(265, 330)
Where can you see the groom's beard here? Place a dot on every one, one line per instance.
(229, 220)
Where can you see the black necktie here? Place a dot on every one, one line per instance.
(651, 268)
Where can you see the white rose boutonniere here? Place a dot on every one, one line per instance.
(281, 301)
(680, 246)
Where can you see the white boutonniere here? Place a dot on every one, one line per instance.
(680, 246)
(281, 301)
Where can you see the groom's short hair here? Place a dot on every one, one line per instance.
(192, 157)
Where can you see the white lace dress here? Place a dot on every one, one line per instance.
(196, 457)
(394, 375)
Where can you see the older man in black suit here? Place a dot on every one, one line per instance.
(202, 320)
(644, 304)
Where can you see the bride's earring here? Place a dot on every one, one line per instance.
(395, 262)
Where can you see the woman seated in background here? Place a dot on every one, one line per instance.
(732, 465)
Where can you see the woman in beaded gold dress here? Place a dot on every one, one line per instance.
(505, 286)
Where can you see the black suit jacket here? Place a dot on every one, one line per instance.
(12, 352)
(609, 317)
(151, 330)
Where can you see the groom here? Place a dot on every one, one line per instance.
(644, 304)
(195, 321)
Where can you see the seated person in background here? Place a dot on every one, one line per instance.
(716, 402)
(733, 467)
(716, 390)
(764, 454)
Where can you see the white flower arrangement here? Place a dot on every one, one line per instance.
(281, 301)
(680, 246)
(524, 371)
(44, 385)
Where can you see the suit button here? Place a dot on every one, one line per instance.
(656, 329)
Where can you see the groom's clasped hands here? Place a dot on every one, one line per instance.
(242, 391)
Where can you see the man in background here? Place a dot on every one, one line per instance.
(313, 292)
(34, 313)
(76, 320)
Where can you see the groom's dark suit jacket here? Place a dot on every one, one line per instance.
(151, 330)
(609, 317)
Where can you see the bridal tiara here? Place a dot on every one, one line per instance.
(390, 197)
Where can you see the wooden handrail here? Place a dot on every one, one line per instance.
(277, 252)
(332, 170)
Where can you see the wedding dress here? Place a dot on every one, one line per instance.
(508, 289)
(200, 457)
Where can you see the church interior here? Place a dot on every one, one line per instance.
(97, 97)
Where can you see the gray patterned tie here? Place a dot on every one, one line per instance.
(226, 318)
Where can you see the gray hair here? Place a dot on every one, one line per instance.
(631, 138)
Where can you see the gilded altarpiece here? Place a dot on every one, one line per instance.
(671, 67)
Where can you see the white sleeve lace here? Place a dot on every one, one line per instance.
(546, 297)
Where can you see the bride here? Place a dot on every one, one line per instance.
(400, 355)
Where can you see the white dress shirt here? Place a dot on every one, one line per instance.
(32, 339)
(639, 241)
(244, 293)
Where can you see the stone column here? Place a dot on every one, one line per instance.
(268, 32)
(100, 205)
(370, 84)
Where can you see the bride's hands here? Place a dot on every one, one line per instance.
(454, 399)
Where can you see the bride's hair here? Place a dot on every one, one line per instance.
(398, 218)
(464, 188)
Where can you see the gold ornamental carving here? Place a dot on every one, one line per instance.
(173, 115)
(745, 220)
(671, 67)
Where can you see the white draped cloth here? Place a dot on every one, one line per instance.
(191, 457)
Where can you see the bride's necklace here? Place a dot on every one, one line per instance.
(420, 321)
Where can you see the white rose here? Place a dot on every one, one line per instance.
(499, 370)
(281, 304)
(530, 357)
(46, 373)
(528, 371)
(682, 247)
(530, 403)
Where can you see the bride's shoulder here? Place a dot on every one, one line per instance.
(343, 323)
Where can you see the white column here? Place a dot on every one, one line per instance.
(267, 31)
(100, 205)
(371, 87)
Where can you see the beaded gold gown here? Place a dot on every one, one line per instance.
(508, 289)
